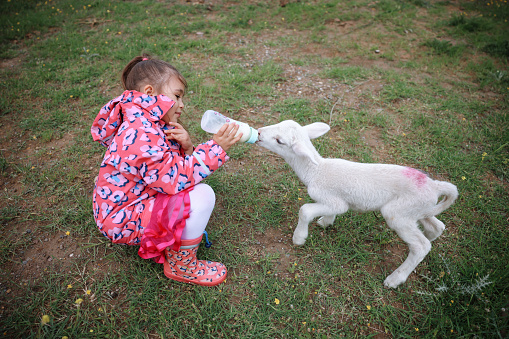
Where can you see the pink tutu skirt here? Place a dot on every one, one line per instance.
(165, 226)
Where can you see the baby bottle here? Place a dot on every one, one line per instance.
(212, 121)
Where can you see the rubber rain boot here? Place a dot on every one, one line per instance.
(183, 266)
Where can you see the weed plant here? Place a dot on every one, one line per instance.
(417, 83)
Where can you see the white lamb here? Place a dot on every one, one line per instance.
(403, 195)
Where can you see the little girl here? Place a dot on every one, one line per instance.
(148, 190)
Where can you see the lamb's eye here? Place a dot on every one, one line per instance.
(279, 141)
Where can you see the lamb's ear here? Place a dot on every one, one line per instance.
(301, 150)
(316, 129)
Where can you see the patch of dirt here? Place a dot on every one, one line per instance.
(369, 89)
(49, 252)
(372, 136)
(491, 178)
(49, 150)
(394, 254)
(11, 63)
(40, 254)
(276, 247)
(44, 249)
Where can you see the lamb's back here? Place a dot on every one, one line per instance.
(363, 186)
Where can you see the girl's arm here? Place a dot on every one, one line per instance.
(161, 166)
(225, 137)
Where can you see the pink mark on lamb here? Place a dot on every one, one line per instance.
(416, 176)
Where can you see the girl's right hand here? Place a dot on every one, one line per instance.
(225, 137)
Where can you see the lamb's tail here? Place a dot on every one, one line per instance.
(449, 192)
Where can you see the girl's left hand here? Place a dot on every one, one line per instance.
(180, 135)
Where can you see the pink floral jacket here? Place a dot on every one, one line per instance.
(140, 162)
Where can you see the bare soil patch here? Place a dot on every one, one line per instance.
(278, 246)
(56, 251)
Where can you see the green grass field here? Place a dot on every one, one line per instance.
(411, 82)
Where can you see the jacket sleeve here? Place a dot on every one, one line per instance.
(145, 154)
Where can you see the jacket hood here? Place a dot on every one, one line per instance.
(129, 104)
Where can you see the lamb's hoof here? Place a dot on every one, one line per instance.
(394, 280)
(298, 240)
(325, 221)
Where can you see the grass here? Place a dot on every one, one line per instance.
(418, 83)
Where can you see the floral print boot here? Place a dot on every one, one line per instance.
(182, 265)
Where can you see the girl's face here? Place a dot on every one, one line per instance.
(175, 90)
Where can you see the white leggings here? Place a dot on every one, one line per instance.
(203, 200)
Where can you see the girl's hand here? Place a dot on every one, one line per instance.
(225, 137)
(180, 135)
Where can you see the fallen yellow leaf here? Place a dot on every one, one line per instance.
(45, 319)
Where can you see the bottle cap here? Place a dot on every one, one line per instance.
(253, 137)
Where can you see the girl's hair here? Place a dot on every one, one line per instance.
(143, 70)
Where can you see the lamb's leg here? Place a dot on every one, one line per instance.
(433, 227)
(418, 244)
(310, 211)
(326, 220)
